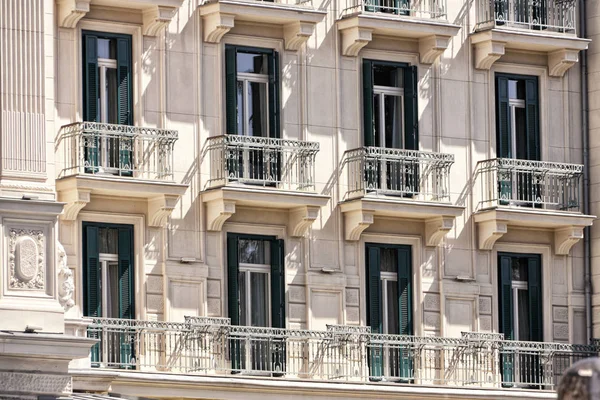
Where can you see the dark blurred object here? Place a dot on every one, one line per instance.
(581, 381)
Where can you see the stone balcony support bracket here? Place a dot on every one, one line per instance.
(297, 33)
(156, 18)
(560, 61)
(431, 47)
(160, 208)
(489, 232)
(217, 212)
(487, 53)
(566, 238)
(437, 228)
(355, 222)
(71, 11)
(216, 25)
(301, 219)
(354, 39)
(75, 200)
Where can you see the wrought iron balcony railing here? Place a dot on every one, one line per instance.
(423, 9)
(119, 150)
(420, 175)
(277, 163)
(524, 183)
(541, 15)
(340, 354)
(307, 3)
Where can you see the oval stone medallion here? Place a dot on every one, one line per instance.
(26, 265)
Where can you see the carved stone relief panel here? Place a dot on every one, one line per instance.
(27, 259)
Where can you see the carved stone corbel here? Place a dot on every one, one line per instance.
(76, 199)
(157, 18)
(160, 208)
(301, 219)
(560, 61)
(71, 11)
(487, 53)
(216, 25)
(354, 39)
(489, 232)
(436, 229)
(217, 212)
(355, 222)
(566, 238)
(431, 47)
(297, 33)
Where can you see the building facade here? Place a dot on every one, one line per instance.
(237, 199)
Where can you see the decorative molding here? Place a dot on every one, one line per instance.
(301, 219)
(566, 238)
(66, 287)
(217, 212)
(26, 248)
(297, 33)
(354, 39)
(35, 383)
(71, 11)
(355, 222)
(160, 208)
(487, 53)
(431, 47)
(76, 199)
(156, 18)
(489, 232)
(560, 61)
(436, 229)
(216, 25)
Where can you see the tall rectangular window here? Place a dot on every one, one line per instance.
(107, 98)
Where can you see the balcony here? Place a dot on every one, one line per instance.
(200, 347)
(258, 172)
(546, 26)
(116, 160)
(298, 18)
(524, 193)
(398, 183)
(423, 20)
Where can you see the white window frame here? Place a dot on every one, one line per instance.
(517, 286)
(103, 65)
(246, 78)
(386, 277)
(389, 91)
(260, 269)
(105, 259)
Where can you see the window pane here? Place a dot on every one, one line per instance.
(377, 119)
(109, 240)
(111, 96)
(257, 109)
(389, 260)
(523, 310)
(254, 251)
(385, 75)
(516, 89)
(520, 269)
(393, 122)
(104, 48)
(258, 289)
(392, 307)
(252, 63)
(242, 298)
(112, 291)
(521, 132)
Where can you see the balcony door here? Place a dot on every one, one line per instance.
(518, 137)
(107, 99)
(256, 298)
(390, 123)
(389, 309)
(252, 107)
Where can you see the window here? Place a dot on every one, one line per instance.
(520, 310)
(389, 310)
(256, 297)
(107, 98)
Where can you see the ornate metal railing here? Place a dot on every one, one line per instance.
(118, 150)
(416, 174)
(340, 354)
(424, 9)
(524, 183)
(542, 15)
(307, 3)
(277, 163)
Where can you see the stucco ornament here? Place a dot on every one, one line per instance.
(66, 287)
(26, 259)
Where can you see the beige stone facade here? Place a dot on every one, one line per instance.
(181, 200)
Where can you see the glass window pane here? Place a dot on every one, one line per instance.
(257, 109)
(104, 48)
(377, 120)
(259, 294)
(385, 75)
(392, 307)
(516, 89)
(253, 251)
(521, 133)
(112, 291)
(109, 240)
(520, 269)
(389, 260)
(523, 310)
(111, 96)
(242, 298)
(393, 122)
(252, 63)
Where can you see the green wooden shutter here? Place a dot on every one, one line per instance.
(124, 103)
(231, 90)
(405, 362)
(374, 309)
(236, 345)
(534, 288)
(506, 316)
(126, 274)
(92, 300)
(533, 125)
(277, 284)
(411, 108)
(274, 103)
(90, 96)
(368, 122)
(503, 139)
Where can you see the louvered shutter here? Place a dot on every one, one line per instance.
(274, 103)
(277, 284)
(125, 103)
(533, 124)
(236, 345)
(411, 108)
(126, 274)
(534, 284)
(374, 309)
(506, 316)
(92, 274)
(231, 111)
(405, 362)
(90, 97)
(503, 137)
(368, 122)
